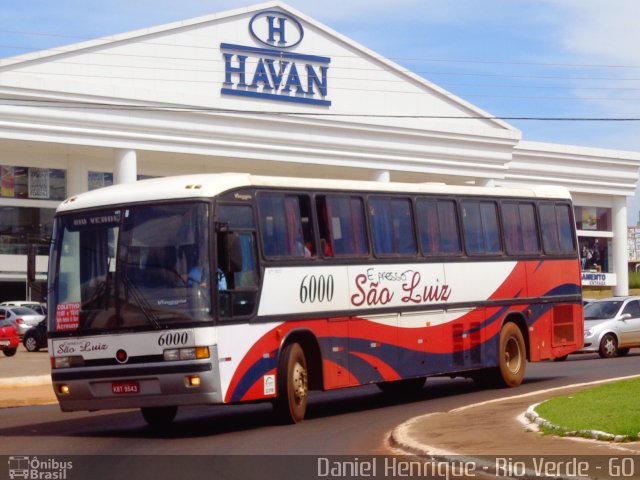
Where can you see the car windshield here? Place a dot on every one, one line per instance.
(128, 268)
(602, 310)
(23, 311)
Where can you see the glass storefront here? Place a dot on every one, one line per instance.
(595, 254)
(24, 225)
(33, 183)
(594, 238)
(593, 218)
(21, 226)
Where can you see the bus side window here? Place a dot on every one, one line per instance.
(480, 224)
(342, 226)
(520, 230)
(392, 226)
(555, 223)
(287, 230)
(438, 225)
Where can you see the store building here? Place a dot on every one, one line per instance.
(266, 90)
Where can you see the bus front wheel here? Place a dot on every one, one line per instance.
(293, 385)
(159, 417)
(512, 357)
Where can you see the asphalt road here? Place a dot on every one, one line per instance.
(348, 422)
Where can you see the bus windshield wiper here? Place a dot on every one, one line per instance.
(142, 302)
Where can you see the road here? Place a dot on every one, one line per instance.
(348, 422)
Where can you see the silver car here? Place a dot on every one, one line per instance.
(612, 326)
(22, 318)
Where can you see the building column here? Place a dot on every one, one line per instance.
(77, 177)
(485, 182)
(381, 176)
(125, 167)
(619, 246)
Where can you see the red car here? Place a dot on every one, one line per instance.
(9, 340)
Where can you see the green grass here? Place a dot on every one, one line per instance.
(611, 408)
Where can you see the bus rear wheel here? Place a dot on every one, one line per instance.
(293, 385)
(159, 417)
(512, 357)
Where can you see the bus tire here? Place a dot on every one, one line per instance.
(512, 357)
(408, 386)
(159, 417)
(293, 385)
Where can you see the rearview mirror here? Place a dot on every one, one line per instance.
(625, 316)
(231, 252)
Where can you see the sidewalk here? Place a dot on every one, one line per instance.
(25, 379)
(497, 428)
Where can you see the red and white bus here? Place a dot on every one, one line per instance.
(227, 288)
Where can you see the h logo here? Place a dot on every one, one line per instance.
(279, 30)
(276, 29)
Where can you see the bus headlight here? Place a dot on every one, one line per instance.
(193, 353)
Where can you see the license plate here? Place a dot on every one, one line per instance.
(4, 343)
(120, 388)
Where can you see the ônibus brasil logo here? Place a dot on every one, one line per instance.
(32, 468)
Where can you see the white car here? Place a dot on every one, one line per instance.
(612, 326)
(22, 318)
(40, 308)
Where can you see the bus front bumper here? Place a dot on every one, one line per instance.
(137, 386)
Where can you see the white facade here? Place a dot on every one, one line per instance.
(220, 93)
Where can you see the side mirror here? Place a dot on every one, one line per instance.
(625, 316)
(231, 252)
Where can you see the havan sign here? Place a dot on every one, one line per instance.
(275, 72)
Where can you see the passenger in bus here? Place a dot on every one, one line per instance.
(196, 278)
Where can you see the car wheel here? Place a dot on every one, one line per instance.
(608, 346)
(31, 344)
(9, 351)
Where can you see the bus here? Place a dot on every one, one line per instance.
(229, 288)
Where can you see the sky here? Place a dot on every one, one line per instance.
(532, 62)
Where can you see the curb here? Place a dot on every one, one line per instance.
(17, 382)
(534, 417)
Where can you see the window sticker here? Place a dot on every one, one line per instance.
(67, 316)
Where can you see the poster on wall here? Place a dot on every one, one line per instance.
(7, 188)
(39, 183)
(589, 218)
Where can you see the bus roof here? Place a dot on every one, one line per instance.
(213, 184)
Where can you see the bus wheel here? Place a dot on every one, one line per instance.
(293, 386)
(407, 386)
(512, 357)
(159, 417)
(608, 346)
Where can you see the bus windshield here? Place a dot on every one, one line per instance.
(140, 267)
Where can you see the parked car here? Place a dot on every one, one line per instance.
(36, 337)
(9, 340)
(612, 326)
(40, 308)
(22, 318)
